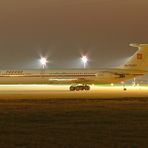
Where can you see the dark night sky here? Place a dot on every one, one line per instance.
(64, 29)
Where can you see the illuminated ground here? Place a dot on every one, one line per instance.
(62, 91)
(41, 116)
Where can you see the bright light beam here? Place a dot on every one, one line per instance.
(43, 62)
(84, 60)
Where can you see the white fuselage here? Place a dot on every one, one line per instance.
(79, 76)
(135, 66)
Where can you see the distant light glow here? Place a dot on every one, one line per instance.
(43, 61)
(112, 84)
(84, 60)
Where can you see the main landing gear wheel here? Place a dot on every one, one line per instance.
(72, 88)
(79, 87)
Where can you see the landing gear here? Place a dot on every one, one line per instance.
(79, 87)
(124, 89)
(123, 83)
(72, 88)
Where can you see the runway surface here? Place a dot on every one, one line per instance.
(62, 91)
(52, 116)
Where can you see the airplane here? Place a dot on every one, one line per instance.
(81, 79)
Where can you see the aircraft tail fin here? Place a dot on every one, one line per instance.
(139, 61)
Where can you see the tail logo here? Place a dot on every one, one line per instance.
(139, 56)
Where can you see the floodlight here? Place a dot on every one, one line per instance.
(84, 60)
(43, 61)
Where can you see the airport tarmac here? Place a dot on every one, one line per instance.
(52, 116)
(62, 91)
